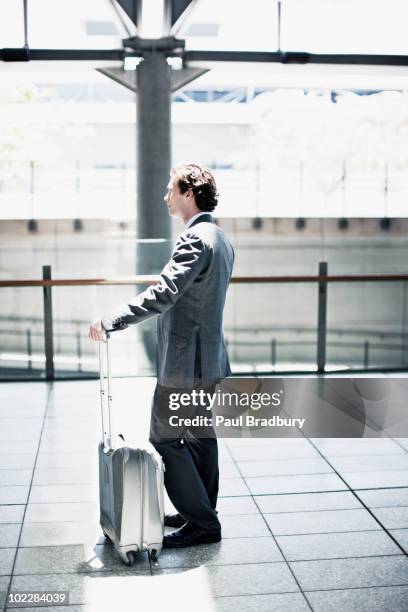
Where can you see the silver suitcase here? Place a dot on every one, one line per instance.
(130, 486)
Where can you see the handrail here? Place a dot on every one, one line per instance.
(151, 279)
(322, 279)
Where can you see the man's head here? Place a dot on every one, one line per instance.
(191, 190)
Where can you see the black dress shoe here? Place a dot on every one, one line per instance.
(189, 535)
(174, 520)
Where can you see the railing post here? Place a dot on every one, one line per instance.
(48, 331)
(273, 351)
(29, 350)
(79, 352)
(366, 353)
(322, 319)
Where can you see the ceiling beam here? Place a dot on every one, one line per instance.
(179, 10)
(131, 8)
(23, 54)
(17, 55)
(294, 57)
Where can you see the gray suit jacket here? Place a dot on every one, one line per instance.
(189, 300)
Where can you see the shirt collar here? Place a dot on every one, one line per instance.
(191, 221)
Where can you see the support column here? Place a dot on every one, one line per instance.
(153, 160)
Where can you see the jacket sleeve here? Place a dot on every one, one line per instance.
(190, 257)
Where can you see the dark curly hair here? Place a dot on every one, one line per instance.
(201, 182)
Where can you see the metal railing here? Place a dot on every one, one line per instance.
(321, 280)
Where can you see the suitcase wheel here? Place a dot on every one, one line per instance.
(131, 558)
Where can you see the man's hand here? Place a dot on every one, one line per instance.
(97, 332)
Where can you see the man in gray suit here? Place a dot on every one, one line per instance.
(189, 301)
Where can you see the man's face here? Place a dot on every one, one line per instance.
(177, 203)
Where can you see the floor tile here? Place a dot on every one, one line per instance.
(370, 463)
(8, 447)
(70, 476)
(9, 534)
(357, 447)
(78, 608)
(6, 560)
(21, 411)
(73, 583)
(17, 461)
(279, 467)
(286, 602)
(403, 442)
(393, 598)
(351, 573)
(229, 470)
(62, 493)
(58, 434)
(295, 484)
(4, 583)
(401, 535)
(61, 512)
(302, 502)
(251, 579)
(97, 590)
(236, 505)
(262, 453)
(65, 446)
(227, 552)
(18, 435)
(60, 534)
(35, 392)
(12, 514)
(15, 477)
(275, 443)
(73, 559)
(233, 487)
(175, 590)
(371, 480)
(240, 526)
(392, 518)
(67, 460)
(337, 545)
(54, 420)
(321, 522)
(16, 423)
(13, 495)
(380, 498)
(224, 454)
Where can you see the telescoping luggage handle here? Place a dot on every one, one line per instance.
(106, 398)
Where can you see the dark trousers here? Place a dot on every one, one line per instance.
(190, 456)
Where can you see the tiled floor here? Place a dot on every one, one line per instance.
(317, 524)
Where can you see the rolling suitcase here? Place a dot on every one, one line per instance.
(130, 487)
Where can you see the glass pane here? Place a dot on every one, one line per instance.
(58, 160)
(11, 24)
(231, 25)
(347, 160)
(74, 308)
(69, 149)
(21, 332)
(274, 332)
(367, 325)
(73, 25)
(346, 26)
(132, 350)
